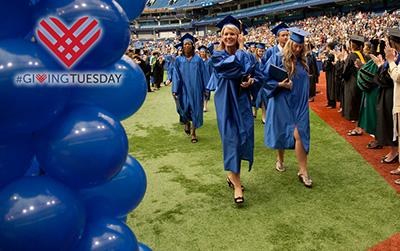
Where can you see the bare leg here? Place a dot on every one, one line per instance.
(281, 154)
(394, 150)
(301, 153)
(255, 112)
(235, 178)
(205, 106)
(264, 112)
(193, 136)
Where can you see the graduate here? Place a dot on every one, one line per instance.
(288, 123)
(282, 36)
(257, 75)
(190, 78)
(352, 94)
(178, 48)
(232, 101)
(208, 65)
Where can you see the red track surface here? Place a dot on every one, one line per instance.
(373, 156)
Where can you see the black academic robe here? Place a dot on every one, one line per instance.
(384, 127)
(158, 72)
(330, 73)
(352, 94)
(313, 71)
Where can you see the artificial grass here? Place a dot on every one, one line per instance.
(189, 206)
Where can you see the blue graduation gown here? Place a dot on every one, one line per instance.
(189, 82)
(256, 74)
(210, 71)
(261, 97)
(233, 108)
(286, 108)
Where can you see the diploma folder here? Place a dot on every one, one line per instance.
(278, 74)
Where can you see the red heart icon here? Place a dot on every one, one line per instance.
(41, 78)
(69, 47)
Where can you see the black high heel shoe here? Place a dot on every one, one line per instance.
(231, 184)
(394, 160)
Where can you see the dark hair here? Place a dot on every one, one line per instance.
(331, 45)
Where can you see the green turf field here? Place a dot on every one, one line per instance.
(189, 206)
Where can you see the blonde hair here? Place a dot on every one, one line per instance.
(232, 27)
(289, 58)
(258, 58)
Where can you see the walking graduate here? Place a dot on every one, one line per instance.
(190, 78)
(282, 36)
(288, 123)
(232, 101)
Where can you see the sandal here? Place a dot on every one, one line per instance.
(187, 131)
(279, 166)
(231, 184)
(305, 179)
(354, 133)
(394, 160)
(194, 140)
(397, 182)
(395, 171)
(239, 199)
(369, 146)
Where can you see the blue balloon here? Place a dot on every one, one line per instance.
(119, 196)
(15, 18)
(34, 169)
(39, 213)
(16, 154)
(85, 146)
(26, 106)
(121, 100)
(143, 247)
(132, 8)
(113, 25)
(105, 233)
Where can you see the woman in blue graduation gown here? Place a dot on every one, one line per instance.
(190, 79)
(232, 102)
(207, 63)
(288, 124)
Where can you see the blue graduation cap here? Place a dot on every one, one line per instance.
(261, 46)
(202, 48)
(280, 27)
(250, 44)
(188, 37)
(229, 20)
(178, 46)
(298, 35)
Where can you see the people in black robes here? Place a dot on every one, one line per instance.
(158, 70)
(313, 71)
(352, 94)
(328, 66)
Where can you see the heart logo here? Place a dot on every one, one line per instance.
(68, 44)
(41, 78)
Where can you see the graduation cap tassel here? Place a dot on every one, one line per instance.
(379, 47)
(240, 31)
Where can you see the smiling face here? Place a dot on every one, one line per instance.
(296, 48)
(202, 53)
(260, 52)
(188, 47)
(229, 37)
